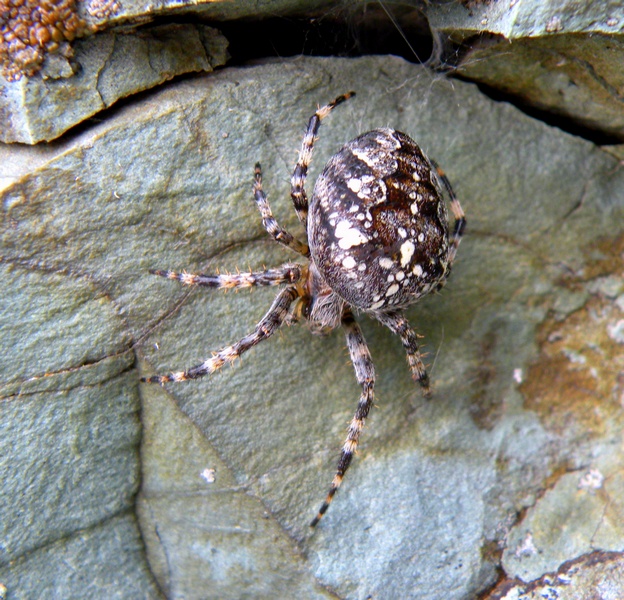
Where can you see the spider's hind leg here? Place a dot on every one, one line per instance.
(268, 325)
(365, 373)
(458, 213)
(398, 324)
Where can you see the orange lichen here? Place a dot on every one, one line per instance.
(103, 9)
(578, 379)
(29, 30)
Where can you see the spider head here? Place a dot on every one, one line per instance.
(322, 307)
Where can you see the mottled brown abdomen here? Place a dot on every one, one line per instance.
(377, 224)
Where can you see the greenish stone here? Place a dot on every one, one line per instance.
(104, 68)
(165, 182)
(562, 57)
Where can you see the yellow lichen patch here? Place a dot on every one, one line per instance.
(578, 380)
(29, 30)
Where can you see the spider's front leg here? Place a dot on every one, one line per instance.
(365, 374)
(270, 323)
(297, 182)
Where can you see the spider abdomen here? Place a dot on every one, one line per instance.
(377, 225)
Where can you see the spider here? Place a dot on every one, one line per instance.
(378, 239)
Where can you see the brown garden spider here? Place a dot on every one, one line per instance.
(378, 239)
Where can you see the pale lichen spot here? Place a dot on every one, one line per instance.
(407, 251)
(393, 289)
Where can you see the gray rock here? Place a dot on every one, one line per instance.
(579, 514)
(104, 68)
(562, 57)
(227, 494)
(202, 530)
(220, 10)
(594, 575)
(106, 561)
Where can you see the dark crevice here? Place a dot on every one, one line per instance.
(379, 29)
(376, 28)
(348, 31)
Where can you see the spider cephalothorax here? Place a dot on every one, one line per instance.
(377, 240)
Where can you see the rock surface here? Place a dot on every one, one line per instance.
(561, 57)
(234, 466)
(101, 70)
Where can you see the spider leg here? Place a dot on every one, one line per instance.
(458, 213)
(365, 373)
(288, 273)
(270, 323)
(398, 324)
(297, 190)
(273, 228)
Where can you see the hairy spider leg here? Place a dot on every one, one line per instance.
(288, 273)
(270, 323)
(365, 374)
(297, 182)
(398, 324)
(273, 228)
(458, 213)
